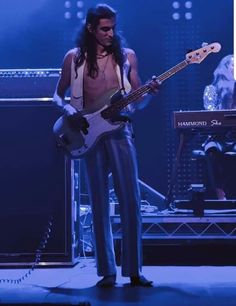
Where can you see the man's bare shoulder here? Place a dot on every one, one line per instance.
(129, 52)
(131, 56)
(71, 53)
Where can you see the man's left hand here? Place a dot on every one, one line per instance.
(154, 84)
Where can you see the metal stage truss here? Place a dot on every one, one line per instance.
(163, 228)
(176, 226)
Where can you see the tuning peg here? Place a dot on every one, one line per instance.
(204, 44)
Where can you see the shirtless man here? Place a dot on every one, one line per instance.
(97, 65)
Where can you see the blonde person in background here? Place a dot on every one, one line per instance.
(220, 95)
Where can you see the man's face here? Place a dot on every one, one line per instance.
(105, 31)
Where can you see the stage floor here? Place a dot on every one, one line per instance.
(175, 286)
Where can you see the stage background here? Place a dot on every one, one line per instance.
(37, 34)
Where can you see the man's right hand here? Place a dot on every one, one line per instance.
(78, 123)
(75, 119)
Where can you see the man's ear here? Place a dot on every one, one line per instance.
(89, 28)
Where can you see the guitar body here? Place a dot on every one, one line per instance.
(78, 144)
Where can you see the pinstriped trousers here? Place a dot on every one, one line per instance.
(115, 153)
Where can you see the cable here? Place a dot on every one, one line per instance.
(37, 259)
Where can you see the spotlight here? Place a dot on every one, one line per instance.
(80, 4)
(80, 15)
(176, 4)
(67, 4)
(188, 16)
(67, 15)
(176, 16)
(188, 4)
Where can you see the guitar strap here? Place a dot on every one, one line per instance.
(123, 91)
(119, 117)
(121, 67)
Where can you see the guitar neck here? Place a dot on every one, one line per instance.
(138, 93)
(172, 71)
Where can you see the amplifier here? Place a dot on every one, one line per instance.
(28, 83)
(35, 188)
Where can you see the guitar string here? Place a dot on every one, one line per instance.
(142, 90)
(146, 88)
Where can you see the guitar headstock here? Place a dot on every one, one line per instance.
(197, 56)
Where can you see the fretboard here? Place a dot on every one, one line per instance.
(140, 92)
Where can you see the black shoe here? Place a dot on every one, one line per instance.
(107, 281)
(140, 281)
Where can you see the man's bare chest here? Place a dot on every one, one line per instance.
(105, 80)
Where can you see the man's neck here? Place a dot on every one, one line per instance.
(101, 51)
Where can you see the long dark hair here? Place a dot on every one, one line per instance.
(86, 43)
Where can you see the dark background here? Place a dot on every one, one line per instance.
(36, 34)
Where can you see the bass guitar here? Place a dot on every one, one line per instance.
(78, 144)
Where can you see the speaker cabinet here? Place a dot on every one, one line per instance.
(36, 183)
